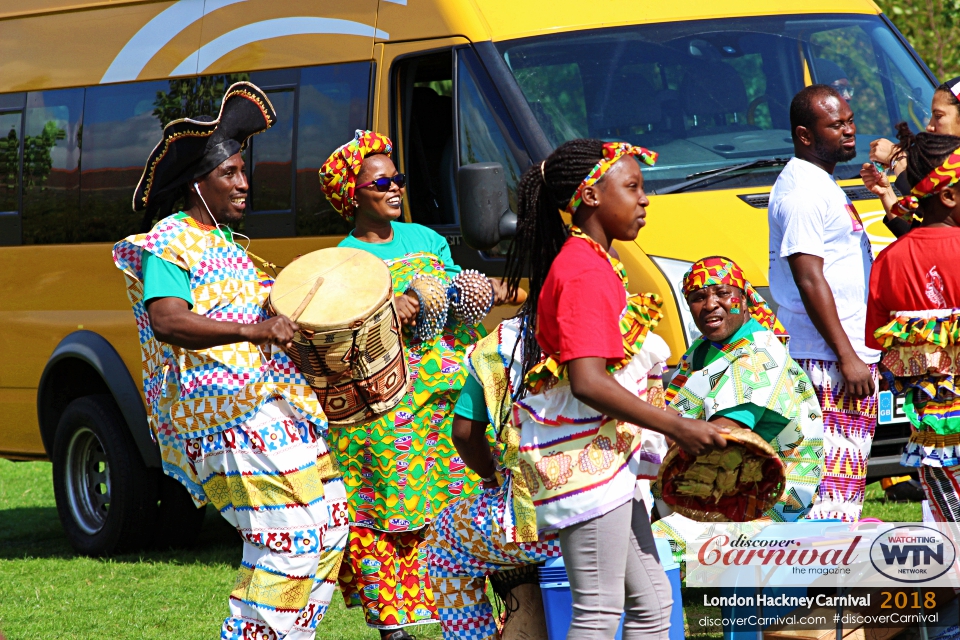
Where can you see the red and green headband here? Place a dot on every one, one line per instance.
(612, 151)
(946, 175)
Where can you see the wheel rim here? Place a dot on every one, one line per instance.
(88, 481)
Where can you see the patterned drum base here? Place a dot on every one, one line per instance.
(357, 374)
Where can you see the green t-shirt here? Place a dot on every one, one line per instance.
(163, 279)
(408, 237)
(765, 423)
(471, 404)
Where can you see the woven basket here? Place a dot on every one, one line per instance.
(748, 502)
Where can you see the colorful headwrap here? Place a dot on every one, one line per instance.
(716, 270)
(612, 151)
(946, 175)
(338, 175)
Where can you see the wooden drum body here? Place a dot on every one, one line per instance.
(349, 347)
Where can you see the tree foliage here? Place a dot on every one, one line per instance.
(933, 28)
(191, 97)
(37, 154)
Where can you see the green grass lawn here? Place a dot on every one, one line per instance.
(46, 591)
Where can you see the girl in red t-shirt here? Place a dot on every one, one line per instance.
(913, 313)
(586, 337)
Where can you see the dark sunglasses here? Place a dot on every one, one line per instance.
(383, 184)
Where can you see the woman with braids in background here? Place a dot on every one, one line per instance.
(571, 444)
(913, 314)
(944, 120)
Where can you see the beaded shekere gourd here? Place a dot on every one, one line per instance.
(471, 296)
(432, 316)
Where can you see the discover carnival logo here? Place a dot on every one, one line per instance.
(912, 553)
(824, 554)
(721, 550)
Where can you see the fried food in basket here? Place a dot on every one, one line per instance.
(735, 484)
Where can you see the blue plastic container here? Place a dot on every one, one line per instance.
(558, 602)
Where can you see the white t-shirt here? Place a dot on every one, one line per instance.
(809, 213)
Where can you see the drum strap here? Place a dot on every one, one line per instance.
(266, 265)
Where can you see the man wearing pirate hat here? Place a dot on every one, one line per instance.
(236, 422)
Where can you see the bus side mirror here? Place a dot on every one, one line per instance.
(485, 216)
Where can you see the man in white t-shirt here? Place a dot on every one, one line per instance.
(820, 262)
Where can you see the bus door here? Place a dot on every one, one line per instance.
(444, 112)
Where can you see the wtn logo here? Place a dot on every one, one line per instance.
(912, 553)
(901, 553)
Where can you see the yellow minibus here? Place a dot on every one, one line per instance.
(471, 91)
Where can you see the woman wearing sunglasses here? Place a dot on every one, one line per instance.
(401, 469)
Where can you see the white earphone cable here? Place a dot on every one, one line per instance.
(196, 186)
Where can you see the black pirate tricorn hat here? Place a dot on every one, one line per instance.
(193, 147)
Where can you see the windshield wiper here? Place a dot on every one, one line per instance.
(695, 179)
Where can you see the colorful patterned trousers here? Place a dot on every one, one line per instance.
(386, 574)
(274, 480)
(463, 551)
(941, 485)
(848, 428)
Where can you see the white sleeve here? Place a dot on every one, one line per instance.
(801, 217)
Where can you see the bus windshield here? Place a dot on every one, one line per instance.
(713, 94)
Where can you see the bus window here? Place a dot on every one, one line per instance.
(10, 177)
(425, 98)
(333, 104)
(51, 166)
(9, 161)
(120, 129)
(845, 59)
(486, 134)
(712, 94)
(190, 97)
(271, 173)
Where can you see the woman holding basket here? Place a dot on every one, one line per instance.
(402, 468)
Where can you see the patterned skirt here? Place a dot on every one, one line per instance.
(942, 488)
(466, 545)
(848, 428)
(400, 471)
(386, 575)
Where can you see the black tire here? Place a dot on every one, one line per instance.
(179, 520)
(106, 496)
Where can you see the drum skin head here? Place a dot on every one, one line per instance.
(355, 284)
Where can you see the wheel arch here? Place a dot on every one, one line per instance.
(85, 363)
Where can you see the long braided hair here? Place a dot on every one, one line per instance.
(925, 152)
(543, 191)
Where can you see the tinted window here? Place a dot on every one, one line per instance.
(190, 97)
(120, 129)
(429, 151)
(51, 166)
(333, 104)
(710, 94)
(9, 160)
(272, 158)
(10, 138)
(485, 135)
